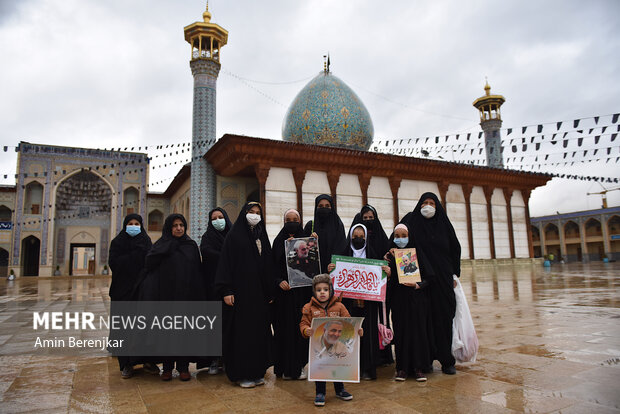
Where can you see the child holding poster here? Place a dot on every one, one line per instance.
(360, 246)
(323, 304)
(410, 312)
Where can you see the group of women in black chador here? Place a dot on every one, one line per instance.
(236, 263)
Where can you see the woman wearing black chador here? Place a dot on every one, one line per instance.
(127, 253)
(174, 274)
(436, 239)
(244, 280)
(291, 348)
(328, 229)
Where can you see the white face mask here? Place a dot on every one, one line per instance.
(428, 211)
(253, 219)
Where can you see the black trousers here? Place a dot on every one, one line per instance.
(321, 387)
(182, 364)
(124, 361)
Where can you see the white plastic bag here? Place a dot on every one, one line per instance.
(464, 338)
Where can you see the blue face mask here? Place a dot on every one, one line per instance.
(219, 224)
(133, 231)
(402, 243)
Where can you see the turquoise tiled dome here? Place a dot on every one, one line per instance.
(327, 112)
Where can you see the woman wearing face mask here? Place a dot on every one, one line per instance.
(359, 246)
(174, 274)
(436, 239)
(244, 280)
(379, 244)
(410, 312)
(210, 248)
(328, 229)
(291, 349)
(126, 259)
(368, 216)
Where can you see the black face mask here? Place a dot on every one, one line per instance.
(368, 222)
(291, 227)
(323, 212)
(358, 243)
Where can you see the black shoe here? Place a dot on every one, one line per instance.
(367, 376)
(419, 376)
(344, 395)
(449, 370)
(127, 372)
(319, 400)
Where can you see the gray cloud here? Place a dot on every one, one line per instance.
(115, 72)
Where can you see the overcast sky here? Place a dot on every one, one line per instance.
(115, 73)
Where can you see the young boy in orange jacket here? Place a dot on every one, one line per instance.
(324, 304)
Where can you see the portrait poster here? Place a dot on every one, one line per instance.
(358, 278)
(302, 261)
(407, 266)
(334, 351)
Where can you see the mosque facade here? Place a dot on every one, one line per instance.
(68, 203)
(580, 236)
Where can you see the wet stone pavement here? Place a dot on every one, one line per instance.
(549, 342)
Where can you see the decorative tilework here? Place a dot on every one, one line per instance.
(493, 142)
(202, 181)
(51, 157)
(45, 213)
(327, 112)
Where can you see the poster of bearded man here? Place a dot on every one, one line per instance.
(334, 352)
(302, 261)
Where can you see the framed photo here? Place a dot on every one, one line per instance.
(407, 266)
(358, 278)
(334, 351)
(302, 261)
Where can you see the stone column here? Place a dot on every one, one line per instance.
(299, 174)
(605, 231)
(511, 236)
(364, 180)
(488, 194)
(394, 186)
(584, 244)
(467, 188)
(203, 197)
(526, 201)
(562, 241)
(541, 231)
(262, 172)
(443, 190)
(332, 178)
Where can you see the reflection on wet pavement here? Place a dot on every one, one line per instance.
(549, 342)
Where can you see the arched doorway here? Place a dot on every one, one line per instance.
(31, 247)
(572, 240)
(552, 241)
(33, 198)
(4, 262)
(6, 214)
(83, 206)
(131, 201)
(155, 221)
(536, 241)
(594, 239)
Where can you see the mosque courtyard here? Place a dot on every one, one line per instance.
(549, 342)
